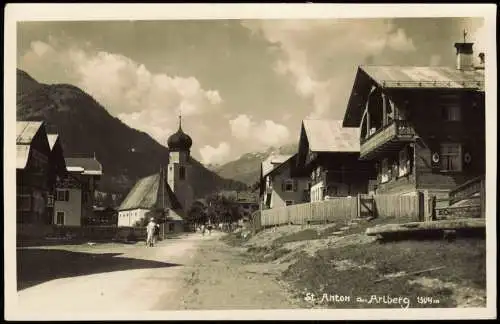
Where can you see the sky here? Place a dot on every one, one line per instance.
(241, 85)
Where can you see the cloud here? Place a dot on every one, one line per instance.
(143, 99)
(241, 127)
(435, 60)
(318, 56)
(258, 135)
(215, 155)
(150, 121)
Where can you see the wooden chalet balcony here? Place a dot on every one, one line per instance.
(386, 138)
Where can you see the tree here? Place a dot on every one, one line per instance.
(196, 214)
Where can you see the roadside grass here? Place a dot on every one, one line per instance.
(306, 235)
(265, 254)
(464, 261)
(235, 239)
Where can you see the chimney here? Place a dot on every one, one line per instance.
(464, 55)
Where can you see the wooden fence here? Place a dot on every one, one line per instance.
(342, 210)
(95, 233)
(404, 208)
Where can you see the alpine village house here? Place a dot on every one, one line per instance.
(38, 163)
(167, 196)
(422, 127)
(281, 183)
(328, 155)
(74, 199)
(51, 189)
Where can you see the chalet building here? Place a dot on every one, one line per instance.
(74, 198)
(33, 172)
(281, 183)
(423, 127)
(328, 155)
(167, 195)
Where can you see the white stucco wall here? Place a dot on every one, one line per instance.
(72, 208)
(279, 197)
(129, 217)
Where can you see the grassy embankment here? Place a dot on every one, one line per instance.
(350, 264)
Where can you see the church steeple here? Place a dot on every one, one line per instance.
(180, 141)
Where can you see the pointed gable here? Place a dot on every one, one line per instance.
(152, 192)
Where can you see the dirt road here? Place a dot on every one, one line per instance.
(191, 272)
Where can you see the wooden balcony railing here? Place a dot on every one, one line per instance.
(466, 190)
(398, 130)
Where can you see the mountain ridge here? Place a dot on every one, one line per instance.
(87, 128)
(247, 167)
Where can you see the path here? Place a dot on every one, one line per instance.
(130, 290)
(208, 275)
(221, 278)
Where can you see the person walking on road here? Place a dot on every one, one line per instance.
(209, 228)
(156, 234)
(150, 228)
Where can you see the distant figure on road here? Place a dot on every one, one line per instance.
(209, 228)
(203, 229)
(150, 228)
(156, 233)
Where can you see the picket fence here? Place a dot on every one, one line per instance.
(342, 210)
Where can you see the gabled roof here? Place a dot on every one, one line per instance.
(22, 154)
(88, 166)
(406, 77)
(325, 135)
(147, 194)
(57, 154)
(52, 140)
(26, 131)
(290, 162)
(425, 77)
(272, 161)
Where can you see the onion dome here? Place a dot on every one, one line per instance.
(179, 141)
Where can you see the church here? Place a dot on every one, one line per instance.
(167, 195)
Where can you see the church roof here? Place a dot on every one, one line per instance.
(179, 141)
(151, 192)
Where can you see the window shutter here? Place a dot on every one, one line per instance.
(283, 185)
(467, 157)
(295, 184)
(66, 195)
(435, 155)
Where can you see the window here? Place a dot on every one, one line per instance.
(288, 202)
(62, 195)
(60, 218)
(451, 113)
(24, 202)
(289, 185)
(171, 227)
(451, 157)
(404, 163)
(182, 173)
(385, 171)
